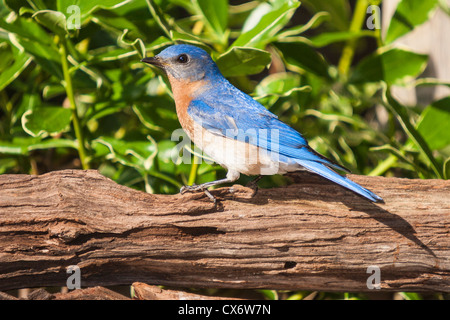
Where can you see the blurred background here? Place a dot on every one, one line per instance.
(366, 82)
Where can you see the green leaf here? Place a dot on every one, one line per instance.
(16, 64)
(43, 121)
(15, 5)
(7, 164)
(281, 84)
(243, 61)
(53, 20)
(394, 66)
(433, 124)
(26, 29)
(410, 295)
(400, 112)
(53, 143)
(159, 18)
(136, 154)
(165, 154)
(21, 146)
(17, 146)
(269, 294)
(46, 56)
(300, 55)
(431, 82)
(7, 147)
(158, 114)
(446, 169)
(278, 83)
(314, 22)
(327, 38)
(398, 153)
(215, 13)
(408, 15)
(137, 44)
(339, 10)
(27, 35)
(268, 26)
(88, 7)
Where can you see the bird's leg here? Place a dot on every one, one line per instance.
(210, 196)
(254, 184)
(204, 186)
(232, 176)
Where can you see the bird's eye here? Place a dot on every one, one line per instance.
(182, 58)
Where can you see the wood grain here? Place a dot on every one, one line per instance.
(310, 235)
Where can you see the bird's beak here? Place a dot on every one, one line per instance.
(156, 61)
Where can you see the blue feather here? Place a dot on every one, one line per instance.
(329, 174)
(238, 116)
(234, 110)
(224, 110)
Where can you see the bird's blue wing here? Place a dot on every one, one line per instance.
(246, 123)
(249, 121)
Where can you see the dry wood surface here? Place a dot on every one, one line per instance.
(309, 235)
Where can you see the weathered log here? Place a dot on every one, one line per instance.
(310, 235)
(143, 291)
(94, 293)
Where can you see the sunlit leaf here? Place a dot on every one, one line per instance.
(302, 56)
(400, 112)
(138, 154)
(243, 61)
(43, 121)
(16, 64)
(268, 25)
(215, 13)
(279, 85)
(408, 15)
(393, 66)
(446, 169)
(53, 20)
(434, 124)
(314, 22)
(339, 11)
(87, 7)
(327, 38)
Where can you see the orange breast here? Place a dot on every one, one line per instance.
(183, 93)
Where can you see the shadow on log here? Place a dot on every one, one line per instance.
(311, 235)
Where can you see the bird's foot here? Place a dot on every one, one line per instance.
(193, 188)
(196, 188)
(254, 185)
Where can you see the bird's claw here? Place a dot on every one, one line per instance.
(254, 186)
(195, 188)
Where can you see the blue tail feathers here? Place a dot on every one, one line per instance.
(324, 171)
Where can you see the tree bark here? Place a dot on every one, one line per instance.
(143, 291)
(310, 235)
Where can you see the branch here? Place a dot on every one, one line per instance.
(143, 291)
(311, 235)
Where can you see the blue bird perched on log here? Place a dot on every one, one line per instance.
(235, 130)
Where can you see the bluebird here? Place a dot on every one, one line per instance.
(235, 130)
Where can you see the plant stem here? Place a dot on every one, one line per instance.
(164, 177)
(356, 24)
(155, 11)
(70, 95)
(384, 166)
(193, 173)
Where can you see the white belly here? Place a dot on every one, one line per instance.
(239, 156)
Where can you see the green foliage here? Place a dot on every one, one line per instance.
(409, 14)
(77, 95)
(72, 85)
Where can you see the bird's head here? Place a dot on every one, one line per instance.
(184, 62)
